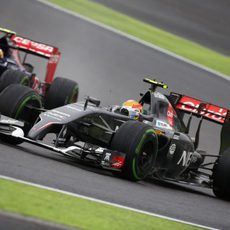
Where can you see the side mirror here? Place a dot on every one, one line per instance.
(92, 100)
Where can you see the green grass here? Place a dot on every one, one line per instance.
(146, 32)
(75, 212)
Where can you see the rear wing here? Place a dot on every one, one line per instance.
(39, 49)
(33, 47)
(207, 111)
(199, 108)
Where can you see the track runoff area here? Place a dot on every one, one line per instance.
(75, 210)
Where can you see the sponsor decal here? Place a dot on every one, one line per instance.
(57, 115)
(176, 137)
(72, 107)
(170, 115)
(107, 157)
(118, 162)
(209, 111)
(39, 48)
(106, 161)
(172, 149)
(53, 116)
(163, 125)
(159, 95)
(62, 113)
(185, 159)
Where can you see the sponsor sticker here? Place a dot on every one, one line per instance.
(107, 157)
(172, 149)
(40, 48)
(185, 159)
(159, 95)
(163, 125)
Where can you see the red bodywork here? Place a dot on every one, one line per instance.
(207, 110)
(118, 162)
(40, 49)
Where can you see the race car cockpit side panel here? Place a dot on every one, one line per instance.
(73, 114)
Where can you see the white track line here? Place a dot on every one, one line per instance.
(133, 38)
(104, 202)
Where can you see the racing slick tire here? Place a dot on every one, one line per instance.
(221, 176)
(61, 92)
(139, 142)
(11, 76)
(14, 102)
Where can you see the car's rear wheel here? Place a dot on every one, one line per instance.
(221, 176)
(139, 142)
(61, 92)
(18, 101)
(11, 76)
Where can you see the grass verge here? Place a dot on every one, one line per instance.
(148, 33)
(75, 212)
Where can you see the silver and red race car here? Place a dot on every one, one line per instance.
(15, 69)
(154, 144)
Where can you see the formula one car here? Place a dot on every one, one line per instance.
(157, 145)
(55, 92)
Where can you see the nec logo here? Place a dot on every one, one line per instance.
(185, 159)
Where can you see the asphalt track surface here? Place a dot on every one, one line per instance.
(202, 21)
(111, 67)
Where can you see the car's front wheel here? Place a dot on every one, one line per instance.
(139, 142)
(19, 102)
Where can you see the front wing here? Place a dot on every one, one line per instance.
(105, 158)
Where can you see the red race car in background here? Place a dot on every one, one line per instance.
(13, 69)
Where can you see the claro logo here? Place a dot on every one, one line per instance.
(212, 112)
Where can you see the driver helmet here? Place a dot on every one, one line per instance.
(1, 54)
(132, 108)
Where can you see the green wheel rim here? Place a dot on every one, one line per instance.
(137, 151)
(19, 110)
(73, 96)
